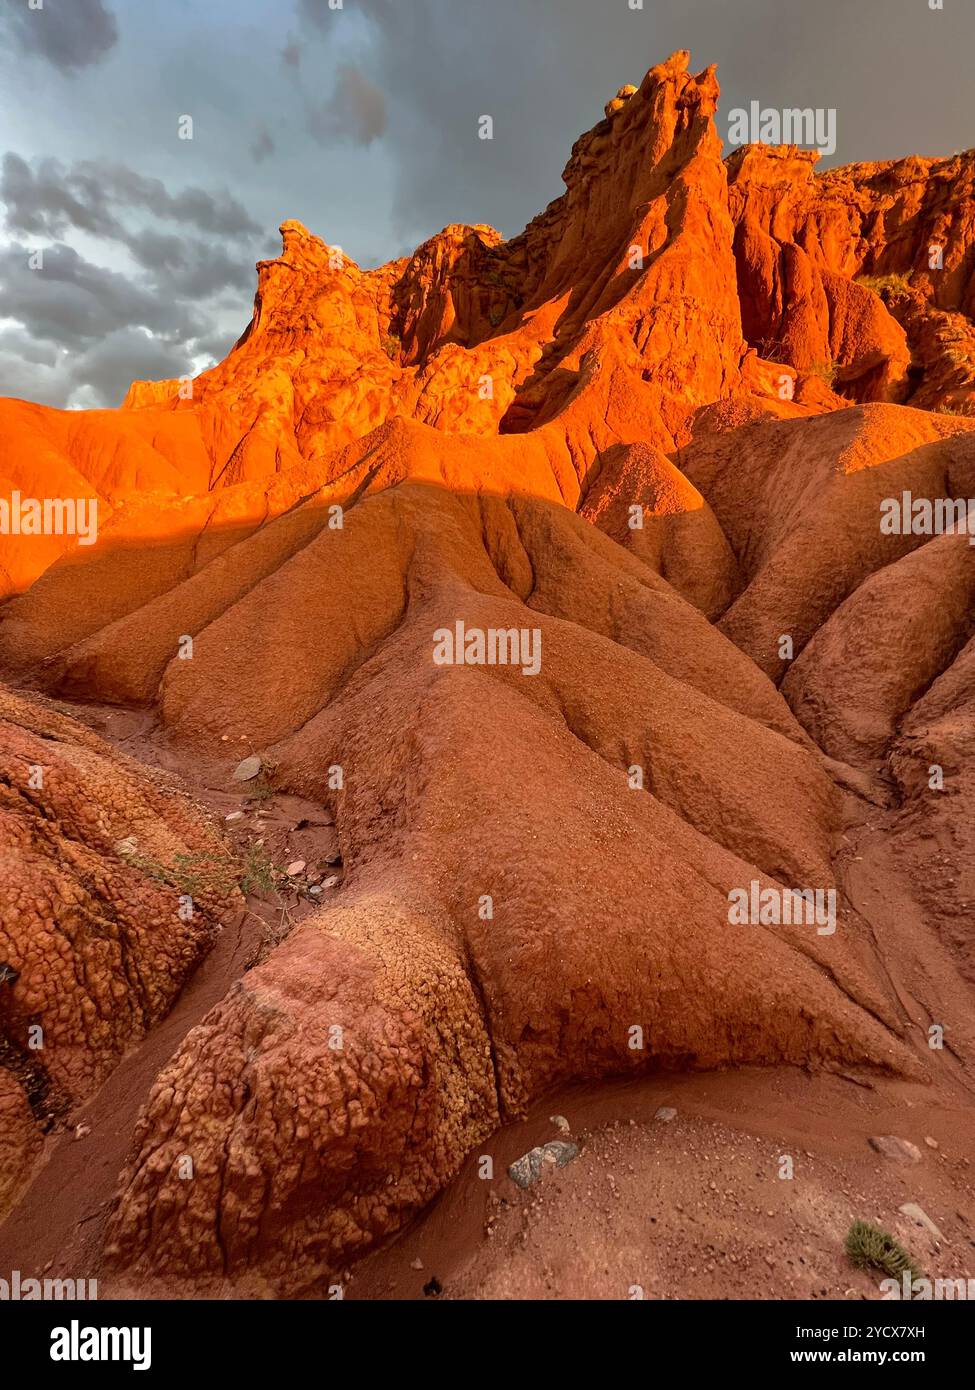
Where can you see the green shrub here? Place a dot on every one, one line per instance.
(868, 1247)
(885, 284)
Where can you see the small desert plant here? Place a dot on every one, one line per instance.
(258, 871)
(826, 371)
(216, 875)
(965, 408)
(392, 346)
(772, 350)
(259, 788)
(884, 284)
(868, 1247)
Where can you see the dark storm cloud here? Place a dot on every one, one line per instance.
(71, 302)
(47, 199)
(206, 248)
(189, 247)
(216, 212)
(41, 201)
(126, 355)
(14, 342)
(215, 345)
(197, 269)
(355, 111)
(70, 34)
(96, 376)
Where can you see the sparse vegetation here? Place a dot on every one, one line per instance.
(392, 346)
(260, 787)
(211, 875)
(826, 371)
(772, 350)
(868, 1247)
(885, 284)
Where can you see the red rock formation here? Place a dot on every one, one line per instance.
(538, 853)
(813, 249)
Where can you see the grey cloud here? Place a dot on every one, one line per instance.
(71, 302)
(46, 199)
(193, 268)
(214, 345)
(262, 147)
(219, 212)
(70, 34)
(355, 111)
(212, 251)
(125, 355)
(16, 342)
(41, 201)
(98, 376)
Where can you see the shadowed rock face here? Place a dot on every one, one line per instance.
(96, 939)
(577, 441)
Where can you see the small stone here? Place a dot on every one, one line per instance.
(920, 1218)
(248, 769)
(527, 1170)
(331, 882)
(295, 867)
(931, 1143)
(560, 1123)
(126, 847)
(82, 1131)
(666, 1113)
(235, 815)
(895, 1149)
(416, 1264)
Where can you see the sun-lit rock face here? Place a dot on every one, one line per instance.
(644, 440)
(865, 269)
(659, 282)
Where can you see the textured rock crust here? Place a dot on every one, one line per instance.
(93, 945)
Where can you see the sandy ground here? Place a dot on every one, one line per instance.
(695, 1207)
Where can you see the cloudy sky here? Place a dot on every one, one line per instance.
(359, 117)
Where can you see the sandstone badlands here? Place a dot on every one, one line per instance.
(655, 431)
